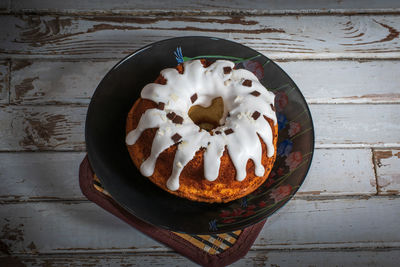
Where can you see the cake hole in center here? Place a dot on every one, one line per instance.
(208, 118)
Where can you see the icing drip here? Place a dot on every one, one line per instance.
(239, 132)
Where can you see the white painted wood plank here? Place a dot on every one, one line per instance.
(209, 6)
(36, 176)
(55, 227)
(333, 223)
(40, 176)
(42, 128)
(374, 36)
(340, 172)
(297, 258)
(62, 127)
(347, 81)
(387, 163)
(38, 82)
(4, 74)
(356, 125)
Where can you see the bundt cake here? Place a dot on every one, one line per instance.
(204, 131)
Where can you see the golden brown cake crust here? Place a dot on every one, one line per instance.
(193, 185)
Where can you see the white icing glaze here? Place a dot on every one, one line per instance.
(208, 83)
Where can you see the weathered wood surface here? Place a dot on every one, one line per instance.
(32, 176)
(346, 81)
(42, 128)
(374, 36)
(54, 227)
(300, 258)
(62, 127)
(387, 164)
(4, 75)
(207, 6)
(336, 172)
(52, 82)
(346, 212)
(356, 125)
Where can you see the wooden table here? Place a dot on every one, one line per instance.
(344, 58)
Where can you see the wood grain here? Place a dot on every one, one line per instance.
(356, 125)
(374, 36)
(52, 82)
(332, 223)
(206, 6)
(62, 127)
(54, 53)
(300, 258)
(387, 164)
(346, 81)
(4, 80)
(322, 81)
(55, 227)
(30, 176)
(336, 172)
(42, 128)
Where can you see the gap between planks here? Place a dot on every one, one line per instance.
(311, 12)
(41, 58)
(195, 7)
(254, 248)
(310, 197)
(373, 158)
(182, 11)
(9, 80)
(317, 146)
(274, 57)
(86, 105)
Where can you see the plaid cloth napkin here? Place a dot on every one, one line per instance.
(207, 250)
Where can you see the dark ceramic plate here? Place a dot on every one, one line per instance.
(108, 155)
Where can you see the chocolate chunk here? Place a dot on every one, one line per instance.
(193, 98)
(176, 137)
(227, 70)
(256, 115)
(247, 83)
(160, 106)
(178, 119)
(272, 107)
(171, 115)
(228, 131)
(255, 93)
(218, 132)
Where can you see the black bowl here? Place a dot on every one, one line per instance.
(109, 157)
